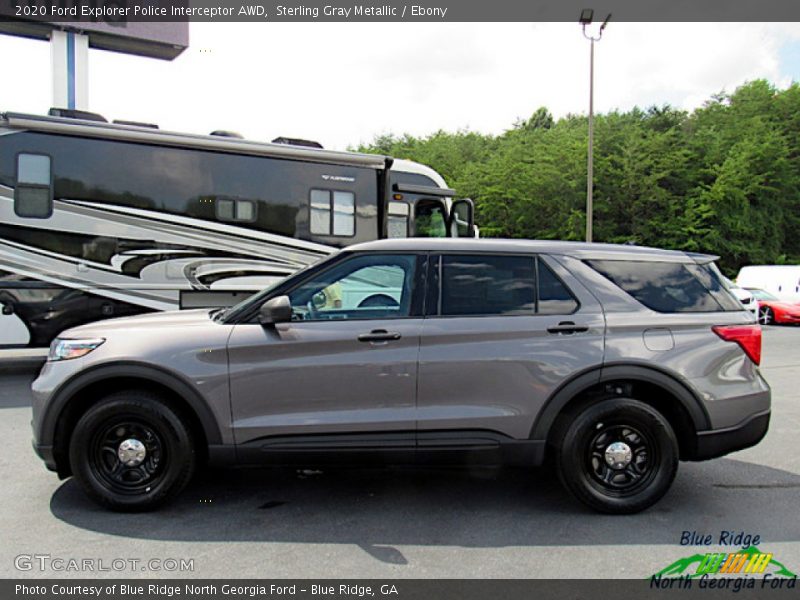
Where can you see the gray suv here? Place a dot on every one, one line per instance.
(611, 362)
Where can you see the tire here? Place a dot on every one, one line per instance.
(582, 455)
(139, 420)
(766, 316)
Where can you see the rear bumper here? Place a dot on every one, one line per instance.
(714, 443)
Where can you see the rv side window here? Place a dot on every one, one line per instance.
(230, 209)
(397, 221)
(333, 213)
(33, 195)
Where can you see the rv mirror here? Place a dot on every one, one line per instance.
(462, 219)
(275, 310)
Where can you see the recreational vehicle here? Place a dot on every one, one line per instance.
(102, 219)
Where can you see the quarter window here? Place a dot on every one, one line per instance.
(667, 287)
(554, 297)
(33, 194)
(333, 212)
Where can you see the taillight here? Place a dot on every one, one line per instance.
(747, 336)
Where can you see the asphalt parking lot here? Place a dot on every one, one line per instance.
(401, 522)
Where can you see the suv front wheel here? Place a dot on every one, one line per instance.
(618, 456)
(131, 452)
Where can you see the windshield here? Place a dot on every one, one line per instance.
(430, 219)
(761, 294)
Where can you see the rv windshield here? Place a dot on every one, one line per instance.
(430, 219)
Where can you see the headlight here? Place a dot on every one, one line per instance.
(67, 349)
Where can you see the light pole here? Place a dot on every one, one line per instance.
(586, 19)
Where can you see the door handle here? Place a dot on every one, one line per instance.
(379, 335)
(567, 327)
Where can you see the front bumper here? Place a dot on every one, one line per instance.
(46, 454)
(718, 442)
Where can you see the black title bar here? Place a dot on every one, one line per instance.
(74, 12)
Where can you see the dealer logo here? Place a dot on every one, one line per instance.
(748, 561)
(746, 567)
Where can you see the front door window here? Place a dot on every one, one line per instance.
(364, 287)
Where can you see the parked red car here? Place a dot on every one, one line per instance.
(772, 310)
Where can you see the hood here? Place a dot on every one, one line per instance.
(158, 321)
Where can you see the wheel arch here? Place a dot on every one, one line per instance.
(77, 394)
(687, 416)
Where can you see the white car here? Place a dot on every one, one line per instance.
(743, 295)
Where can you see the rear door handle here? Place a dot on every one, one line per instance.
(567, 327)
(379, 335)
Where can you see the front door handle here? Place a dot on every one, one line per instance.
(379, 335)
(567, 327)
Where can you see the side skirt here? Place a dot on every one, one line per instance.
(456, 448)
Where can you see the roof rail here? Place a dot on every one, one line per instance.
(71, 113)
(297, 142)
(134, 123)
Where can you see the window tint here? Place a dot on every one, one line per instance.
(362, 287)
(245, 210)
(225, 209)
(33, 168)
(554, 297)
(667, 287)
(397, 219)
(711, 278)
(229, 209)
(430, 219)
(33, 194)
(333, 213)
(488, 285)
(320, 212)
(344, 213)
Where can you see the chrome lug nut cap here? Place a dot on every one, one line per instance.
(131, 452)
(618, 455)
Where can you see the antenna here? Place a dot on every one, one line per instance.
(603, 26)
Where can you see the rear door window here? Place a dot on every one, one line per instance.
(488, 285)
(497, 284)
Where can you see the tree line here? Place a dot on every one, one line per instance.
(723, 179)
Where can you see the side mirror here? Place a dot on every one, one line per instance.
(276, 310)
(462, 219)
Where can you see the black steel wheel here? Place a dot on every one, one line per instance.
(127, 455)
(131, 452)
(617, 456)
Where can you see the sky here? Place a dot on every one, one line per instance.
(344, 83)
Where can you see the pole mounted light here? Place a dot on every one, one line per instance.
(587, 15)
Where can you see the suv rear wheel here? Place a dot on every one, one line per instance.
(131, 452)
(618, 456)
